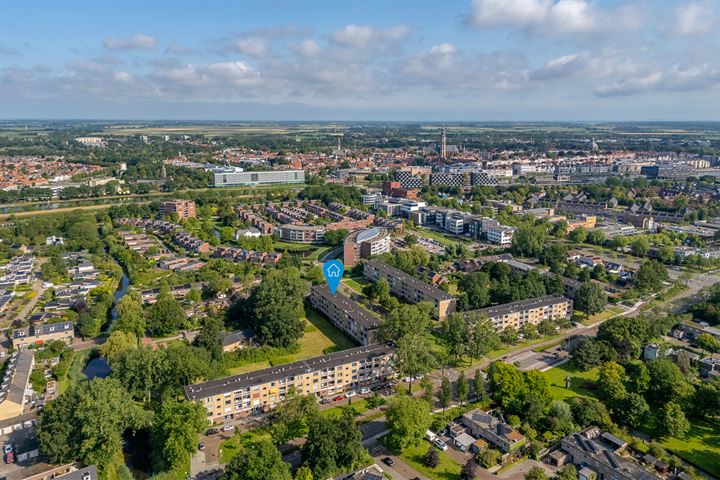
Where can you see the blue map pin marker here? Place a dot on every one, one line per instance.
(333, 271)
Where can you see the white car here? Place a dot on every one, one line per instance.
(430, 435)
(440, 444)
(227, 428)
(350, 394)
(364, 391)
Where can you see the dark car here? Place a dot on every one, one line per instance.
(212, 431)
(201, 446)
(388, 461)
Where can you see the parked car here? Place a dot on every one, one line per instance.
(9, 457)
(212, 431)
(364, 391)
(201, 446)
(430, 435)
(339, 398)
(227, 428)
(440, 444)
(7, 448)
(388, 461)
(324, 401)
(350, 394)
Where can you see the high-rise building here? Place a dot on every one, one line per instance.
(443, 144)
(183, 208)
(364, 244)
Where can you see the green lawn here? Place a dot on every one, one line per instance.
(355, 283)
(611, 311)
(556, 378)
(438, 237)
(75, 372)
(447, 469)
(701, 447)
(320, 337)
(230, 447)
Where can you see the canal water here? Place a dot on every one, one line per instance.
(98, 367)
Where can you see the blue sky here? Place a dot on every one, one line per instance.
(351, 60)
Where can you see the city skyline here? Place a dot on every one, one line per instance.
(482, 60)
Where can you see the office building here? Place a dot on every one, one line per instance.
(500, 234)
(183, 208)
(365, 244)
(233, 177)
(532, 311)
(410, 288)
(15, 390)
(262, 390)
(346, 314)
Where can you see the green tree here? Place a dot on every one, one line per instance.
(708, 342)
(445, 395)
(413, 356)
(257, 461)
(130, 315)
(210, 337)
(483, 337)
(633, 410)
(87, 422)
(407, 419)
(175, 431)
(476, 287)
(489, 457)
(463, 388)
(432, 457)
(335, 237)
(117, 342)
(650, 276)
(507, 385)
(293, 416)
(304, 473)
(566, 472)
(537, 473)
(405, 320)
(667, 383)
(428, 393)
(139, 370)
(578, 235)
(455, 334)
(333, 445)
(529, 240)
(611, 383)
(165, 316)
(640, 246)
(278, 308)
(479, 384)
(590, 298)
(672, 421)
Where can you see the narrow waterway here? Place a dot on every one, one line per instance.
(119, 293)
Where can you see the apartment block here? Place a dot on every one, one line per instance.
(14, 389)
(410, 288)
(232, 177)
(365, 244)
(346, 314)
(39, 335)
(301, 233)
(183, 208)
(533, 311)
(256, 392)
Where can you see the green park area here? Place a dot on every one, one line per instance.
(701, 446)
(580, 382)
(447, 468)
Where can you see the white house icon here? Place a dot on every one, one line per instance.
(333, 271)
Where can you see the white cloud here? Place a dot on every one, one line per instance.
(676, 79)
(253, 46)
(550, 17)
(306, 48)
(584, 65)
(363, 37)
(696, 18)
(136, 42)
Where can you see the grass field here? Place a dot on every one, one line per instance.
(447, 469)
(556, 378)
(356, 283)
(701, 446)
(320, 337)
(438, 237)
(609, 312)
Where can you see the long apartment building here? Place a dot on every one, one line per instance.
(183, 208)
(14, 389)
(38, 335)
(255, 392)
(533, 311)
(410, 288)
(346, 314)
